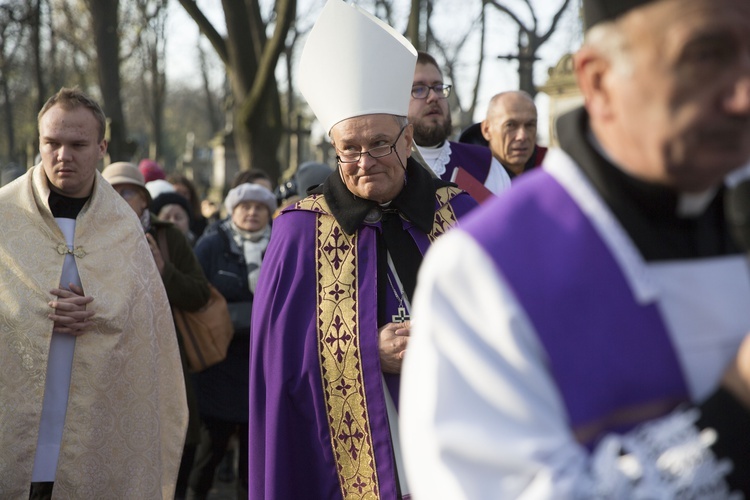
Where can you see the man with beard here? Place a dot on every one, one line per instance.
(471, 167)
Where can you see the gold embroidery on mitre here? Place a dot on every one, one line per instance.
(340, 359)
(445, 217)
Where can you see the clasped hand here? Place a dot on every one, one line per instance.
(70, 314)
(393, 339)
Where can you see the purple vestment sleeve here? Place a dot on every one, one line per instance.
(582, 308)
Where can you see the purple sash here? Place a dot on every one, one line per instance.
(611, 357)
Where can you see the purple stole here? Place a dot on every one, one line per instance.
(474, 159)
(611, 357)
(346, 328)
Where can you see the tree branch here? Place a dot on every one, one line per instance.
(208, 30)
(555, 20)
(475, 91)
(533, 14)
(508, 12)
(271, 52)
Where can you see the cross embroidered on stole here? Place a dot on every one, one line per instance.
(339, 347)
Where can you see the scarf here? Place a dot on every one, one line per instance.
(253, 245)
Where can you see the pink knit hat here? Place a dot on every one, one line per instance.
(151, 170)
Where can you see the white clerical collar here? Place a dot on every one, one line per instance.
(436, 157)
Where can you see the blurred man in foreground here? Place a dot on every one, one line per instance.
(584, 336)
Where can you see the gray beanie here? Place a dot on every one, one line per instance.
(249, 192)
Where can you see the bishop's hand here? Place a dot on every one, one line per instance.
(393, 339)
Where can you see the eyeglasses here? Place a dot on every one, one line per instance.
(422, 91)
(376, 152)
(128, 194)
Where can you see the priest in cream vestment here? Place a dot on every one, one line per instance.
(101, 414)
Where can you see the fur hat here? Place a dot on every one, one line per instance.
(249, 192)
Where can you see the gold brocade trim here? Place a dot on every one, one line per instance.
(339, 348)
(445, 217)
(314, 203)
(340, 360)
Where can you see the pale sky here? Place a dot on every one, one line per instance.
(501, 38)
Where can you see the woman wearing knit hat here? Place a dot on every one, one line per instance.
(151, 170)
(231, 258)
(174, 208)
(184, 281)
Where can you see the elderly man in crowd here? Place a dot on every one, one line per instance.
(510, 132)
(472, 167)
(93, 405)
(584, 336)
(330, 318)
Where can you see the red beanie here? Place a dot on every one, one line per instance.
(151, 170)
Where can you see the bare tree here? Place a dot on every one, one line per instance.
(11, 38)
(250, 58)
(104, 16)
(213, 114)
(529, 40)
(452, 60)
(35, 23)
(71, 57)
(151, 46)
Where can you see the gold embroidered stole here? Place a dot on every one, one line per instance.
(338, 332)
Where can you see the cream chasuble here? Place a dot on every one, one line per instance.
(126, 415)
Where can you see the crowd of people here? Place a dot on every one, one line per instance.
(468, 319)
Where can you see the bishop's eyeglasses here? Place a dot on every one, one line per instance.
(376, 152)
(422, 91)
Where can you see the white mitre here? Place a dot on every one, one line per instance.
(354, 64)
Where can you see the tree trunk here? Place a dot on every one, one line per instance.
(104, 19)
(412, 28)
(158, 89)
(8, 112)
(527, 49)
(213, 116)
(36, 27)
(250, 60)
(257, 133)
